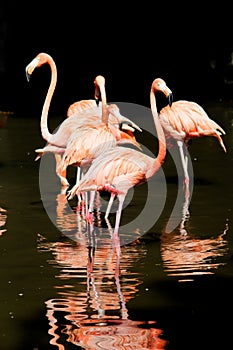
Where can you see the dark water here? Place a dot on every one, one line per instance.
(62, 284)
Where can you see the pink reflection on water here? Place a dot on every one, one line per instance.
(95, 282)
(3, 218)
(186, 256)
(113, 335)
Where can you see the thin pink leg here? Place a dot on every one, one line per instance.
(91, 202)
(184, 161)
(113, 195)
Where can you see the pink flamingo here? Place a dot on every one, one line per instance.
(186, 120)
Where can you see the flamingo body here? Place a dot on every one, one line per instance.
(185, 120)
(116, 171)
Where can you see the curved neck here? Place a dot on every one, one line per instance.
(104, 104)
(160, 134)
(44, 115)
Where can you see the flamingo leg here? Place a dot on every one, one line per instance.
(184, 161)
(185, 215)
(88, 213)
(78, 175)
(89, 209)
(78, 178)
(110, 202)
(91, 201)
(82, 203)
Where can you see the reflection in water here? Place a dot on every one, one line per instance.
(186, 256)
(94, 285)
(3, 217)
(124, 334)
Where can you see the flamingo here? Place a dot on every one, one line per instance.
(57, 141)
(184, 121)
(93, 138)
(121, 168)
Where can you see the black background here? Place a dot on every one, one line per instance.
(188, 46)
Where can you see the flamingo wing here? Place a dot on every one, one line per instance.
(82, 107)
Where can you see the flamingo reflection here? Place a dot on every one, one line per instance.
(95, 283)
(3, 217)
(185, 255)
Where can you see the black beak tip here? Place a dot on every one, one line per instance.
(28, 76)
(97, 101)
(170, 99)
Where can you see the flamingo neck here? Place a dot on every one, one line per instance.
(104, 105)
(158, 161)
(44, 115)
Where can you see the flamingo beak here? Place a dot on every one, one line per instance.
(97, 95)
(167, 92)
(30, 67)
(126, 126)
(170, 99)
(28, 76)
(135, 126)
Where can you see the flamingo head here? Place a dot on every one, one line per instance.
(160, 85)
(38, 61)
(99, 84)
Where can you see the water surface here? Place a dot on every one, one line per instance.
(64, 287)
